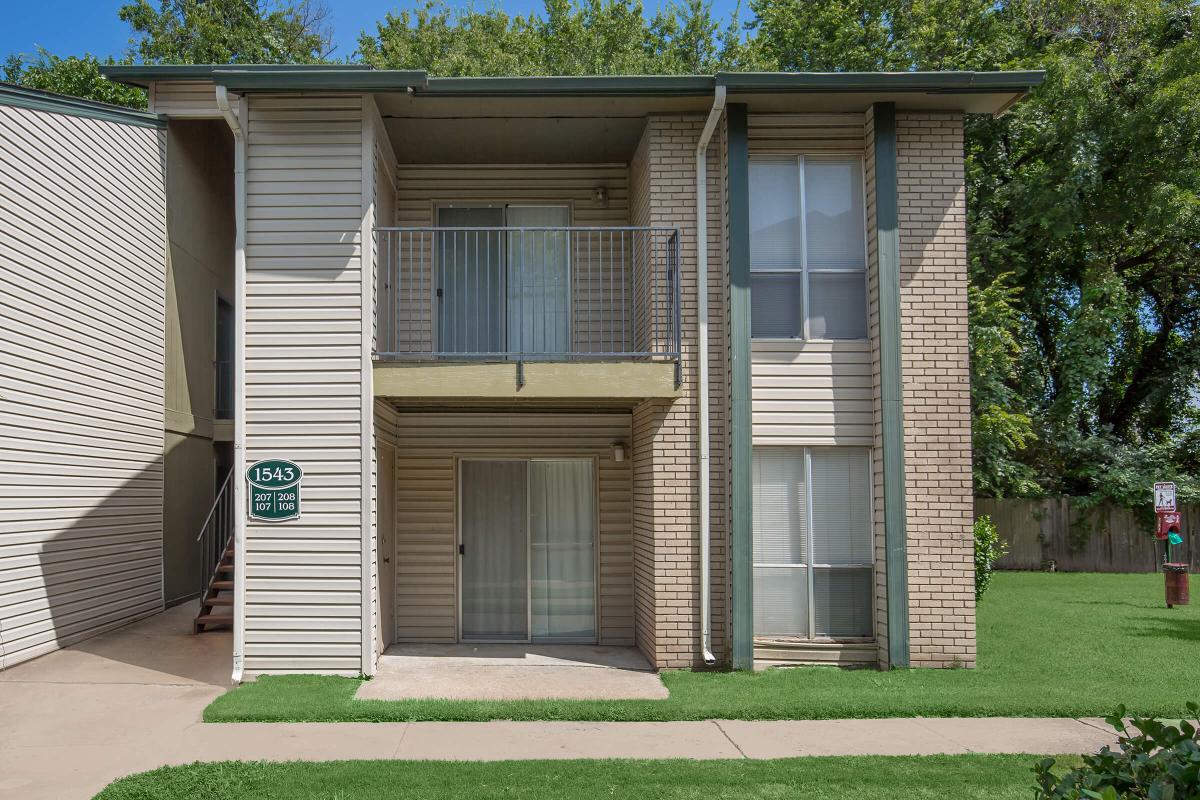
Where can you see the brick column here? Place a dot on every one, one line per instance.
(665, 435)
(937, 419)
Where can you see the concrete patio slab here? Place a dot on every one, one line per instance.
(513, 672)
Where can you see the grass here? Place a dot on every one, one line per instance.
(1053, 645)
(963, 777)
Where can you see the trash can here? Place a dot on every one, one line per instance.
(1175, 576)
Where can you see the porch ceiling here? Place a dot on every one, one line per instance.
(514, 140)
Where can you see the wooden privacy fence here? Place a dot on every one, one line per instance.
(1040, 530)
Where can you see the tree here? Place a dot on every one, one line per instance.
(229, 31)
(1089, 196)
(589, 37)
(78, 76)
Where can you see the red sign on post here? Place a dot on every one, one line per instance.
(1167, 521)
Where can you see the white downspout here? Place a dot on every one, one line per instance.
(239, 373)
(710, 125)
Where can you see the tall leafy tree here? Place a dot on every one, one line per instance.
(229, 31)
(1089, 195)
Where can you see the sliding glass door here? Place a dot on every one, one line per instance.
(494, 539)
(528, 550)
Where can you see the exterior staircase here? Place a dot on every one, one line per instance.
(216, 603)
(216, 545)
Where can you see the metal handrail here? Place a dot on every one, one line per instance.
(216, 533)
(518, 293)
(216, 503)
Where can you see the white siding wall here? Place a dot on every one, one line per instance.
(304, 206)
(82, 249)
(181, 99)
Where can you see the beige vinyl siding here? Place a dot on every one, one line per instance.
(815, 392)
(82, 277)
(304, 581)
(383, 209)
(424, 188)
(804, 133)
(385, 437)
(184, 99)
(426, 555)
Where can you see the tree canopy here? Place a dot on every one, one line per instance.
(1083, 201)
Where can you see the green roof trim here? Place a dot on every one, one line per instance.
(141, 74)
(359, 80)
(587, 85)
(357, 77)
(38, 100)
(958, 82)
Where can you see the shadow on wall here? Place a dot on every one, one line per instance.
(98, 567)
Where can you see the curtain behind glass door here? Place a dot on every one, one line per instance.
(562, 550)
(539, 280)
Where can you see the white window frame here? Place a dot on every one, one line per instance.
(809, 566)
(804, 270)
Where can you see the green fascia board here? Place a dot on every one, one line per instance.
(741, 413)
(956, 82)
(38, 100)
(586, 86)
(359, 80)
(891, 379)
(142, 74)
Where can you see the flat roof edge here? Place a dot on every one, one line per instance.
(587, 85)
(355, 77)
(39, 100)
(948, 82)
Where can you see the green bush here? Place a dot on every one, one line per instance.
(989, 548)
(1157, 762)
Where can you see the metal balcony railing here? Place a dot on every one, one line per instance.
(526, 294)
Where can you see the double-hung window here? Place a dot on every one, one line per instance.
(808, 253)
(813, 549)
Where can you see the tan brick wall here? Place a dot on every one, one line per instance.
(937, 423)
(666, 522)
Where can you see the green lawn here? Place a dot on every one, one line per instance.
(973, 777)
(1049, 645)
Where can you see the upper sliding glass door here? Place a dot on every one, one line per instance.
(471, 281)
(506, 290)
(528, 550)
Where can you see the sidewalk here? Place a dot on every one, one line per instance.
(130, 700)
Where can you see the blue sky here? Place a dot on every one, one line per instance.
(72, 27)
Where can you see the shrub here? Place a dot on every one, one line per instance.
(1158, 762)
(989, 548)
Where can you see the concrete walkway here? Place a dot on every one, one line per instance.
(130, 700)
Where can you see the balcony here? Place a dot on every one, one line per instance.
(528, 312)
